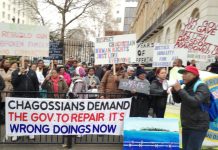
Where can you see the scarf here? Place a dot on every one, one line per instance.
(160, 80)
(55, 85)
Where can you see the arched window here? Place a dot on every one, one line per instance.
(178, 29)
(167, 36)
(195, 13)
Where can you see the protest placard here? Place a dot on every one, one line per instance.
(199, 35)
(56, 49)
(115, 49)
(144, 53)
(136, 86)
(33, 116)
(24, 40)
(165, 54)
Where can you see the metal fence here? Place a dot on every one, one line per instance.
(57, 139)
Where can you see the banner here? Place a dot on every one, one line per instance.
(136, 86)
(24, 40)
(144, 53)
(33, 116)
(151, 133)
(115, 49)
(199, 35)
(165, 54)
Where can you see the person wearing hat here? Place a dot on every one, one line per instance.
(140, 101)
(130, 72)
(195, 121)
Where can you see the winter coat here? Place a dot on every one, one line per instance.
(2, 83)
(62, 88)
(7, 81)
(110, 85)
(87, 81)
(192, 117)
(67, 78)
(24, 84)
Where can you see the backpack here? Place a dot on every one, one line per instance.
(212, 109)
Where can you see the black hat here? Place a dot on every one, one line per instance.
(140, 71)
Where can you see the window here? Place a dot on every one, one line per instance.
(14, 10)
(3, 14)
(195, 13)
(9, 7)
(178, 29)
(118, 20)
(18, 20)
(9, 17)
(23, 14)
(18, 12)
(167, 37)
(118, 12)
(3, 4)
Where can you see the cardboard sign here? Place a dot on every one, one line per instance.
(33, 116)
(137, 86)
(115, 49)
(24, 40)
(144, 53)
(199, 35)
(151, 133)
(165, 54)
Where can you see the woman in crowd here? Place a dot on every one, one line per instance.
(6, 73)
(14, 65)
(65, 75)
(91, 80)
(54, 84)
(110, 82)
(140, 102)
(159, 93)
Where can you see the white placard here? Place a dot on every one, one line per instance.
(144, 54)
(115, 49)
(32, 116)
(165, 54)
(24, 40)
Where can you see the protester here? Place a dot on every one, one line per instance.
(174, 75)
(151, 75)
(177, 63)
(2, 83)
(195, 121)
(110, 82)
(91, 80)
(65, 75)
(193, 63)
(41, 69)
(140, 101)
(25, 84)
(6, 74)
(34, 67)
(24, 79)
(130, 73)
(14, 65)
(99, 72)
(69, 66)
(80, 70)
(2, 105)
(159, 94)
(213, 67)
(55, 85)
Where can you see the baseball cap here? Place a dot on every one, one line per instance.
(191, 69)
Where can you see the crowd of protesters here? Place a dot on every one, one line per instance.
(32, 80)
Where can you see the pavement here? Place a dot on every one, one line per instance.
(59, 147)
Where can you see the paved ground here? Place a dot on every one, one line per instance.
(58, 147)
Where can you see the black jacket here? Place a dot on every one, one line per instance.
(2, 83)
(158, 93)
(192, 116)
(27, 82)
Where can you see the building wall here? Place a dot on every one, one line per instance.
(148, 13)
(10, 9)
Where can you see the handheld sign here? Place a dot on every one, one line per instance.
(137, 86)
(144, 53)
(115, 49)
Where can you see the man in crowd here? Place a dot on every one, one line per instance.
(213, 67)
(195, 121)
